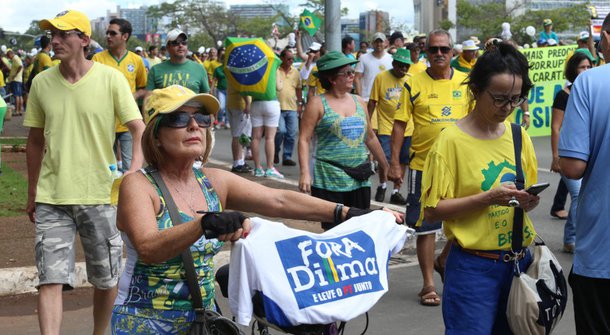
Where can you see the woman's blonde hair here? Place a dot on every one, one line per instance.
(151, 148)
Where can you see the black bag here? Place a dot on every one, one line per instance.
(207, 322)
(360, 172)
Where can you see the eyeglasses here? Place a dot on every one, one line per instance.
(347, 73)
(401, 65)
(502, 102)
(434, 50)
(111, 33)
(176, 43)
(180, 119)
(63, 34)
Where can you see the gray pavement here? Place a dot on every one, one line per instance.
(398, 312)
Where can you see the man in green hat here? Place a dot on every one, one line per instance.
(385, 94)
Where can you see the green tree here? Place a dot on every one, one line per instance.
(575, 18)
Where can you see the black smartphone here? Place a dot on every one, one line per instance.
(537, 188)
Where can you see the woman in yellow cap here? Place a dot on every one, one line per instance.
(153, 294)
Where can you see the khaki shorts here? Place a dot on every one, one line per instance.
(56, 227)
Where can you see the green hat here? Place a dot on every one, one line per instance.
(547, 22)
(403, 56)
(333, 60)
(586, 52)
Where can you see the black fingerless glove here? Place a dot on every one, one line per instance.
(353, 211)
(216, 224)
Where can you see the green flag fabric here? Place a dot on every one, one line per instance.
(310, 22)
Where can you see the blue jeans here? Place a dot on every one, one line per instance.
(286, 133)
(569, 230)
(126, 142)
(475, 294)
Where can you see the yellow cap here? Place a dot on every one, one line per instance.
(68, 20)
(169, 99)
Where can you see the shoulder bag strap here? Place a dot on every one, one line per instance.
(520, 183)
(187, 258)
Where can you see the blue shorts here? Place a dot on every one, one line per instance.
(16, 88)
(414, 206)
(475, 294)
(386, 144)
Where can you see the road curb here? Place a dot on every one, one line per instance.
(24, 279)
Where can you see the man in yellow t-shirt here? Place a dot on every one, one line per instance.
(15, 80)
(43, 60)
(132, 67)
(71, 114)
(433, 99)
(211, 64)
(385, 95)
(290, 95)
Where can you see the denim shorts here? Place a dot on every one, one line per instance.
(386, 145)
(414, 207)
(56, 227)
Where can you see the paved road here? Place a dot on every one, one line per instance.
(398, 312)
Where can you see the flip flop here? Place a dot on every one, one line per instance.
(429, 297)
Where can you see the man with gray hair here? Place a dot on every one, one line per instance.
(433, 99)
(584, 153)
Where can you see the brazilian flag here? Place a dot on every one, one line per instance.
(251, 67)
(310, 22)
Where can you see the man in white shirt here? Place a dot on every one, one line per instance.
(371, 64)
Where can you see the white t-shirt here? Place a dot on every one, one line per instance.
(308, 278)
(370, 66)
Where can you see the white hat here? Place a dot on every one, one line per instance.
(583, 35)
(315, 46)
(469, 45)
(174, 34)
(201, 50)
(551, 41)
(379, 36)
(139, 48)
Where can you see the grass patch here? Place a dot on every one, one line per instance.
(13, 141)
(13, 192)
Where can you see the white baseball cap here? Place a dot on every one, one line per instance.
(551, 41)
(174, 34)
(583, 35)
(139, 48)
(315, 46)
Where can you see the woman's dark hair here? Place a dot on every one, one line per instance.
(503, 58)
(571, 71)
(326, 76)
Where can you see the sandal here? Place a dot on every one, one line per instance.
(429, 297)
(439, 268)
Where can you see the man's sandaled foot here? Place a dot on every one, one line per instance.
(429, 297)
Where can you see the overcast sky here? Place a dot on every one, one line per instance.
(16, 15)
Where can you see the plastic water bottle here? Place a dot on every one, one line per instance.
(117, 177)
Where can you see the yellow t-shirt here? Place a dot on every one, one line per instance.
(417, 68)
(210, 66)
(2, 83)
(314, 81)
(43, 61)
(447, 175)
(386, 91)
(287, 89)
(78, 122)
(433, 105)
(16, 74)
(131, 66)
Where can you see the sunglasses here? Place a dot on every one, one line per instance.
(176, 43)
(180, 119)
(347, 73)
(502, 102)
(63, 34)
(111, 33)
(434, 50)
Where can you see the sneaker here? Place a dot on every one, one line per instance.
(273, 173)
(398, 199)
(380, 194)
(258, 172)
(288, 162)
(244, 168)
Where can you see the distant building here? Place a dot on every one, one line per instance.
(352, 28)
(373, 21)
(246, 12)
